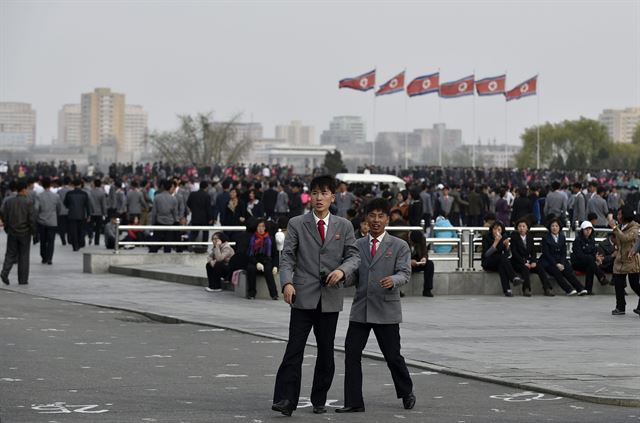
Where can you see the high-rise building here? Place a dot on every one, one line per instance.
(296, 134)
(620, 123)
(248, 130)
(17, 126)
(135, 133)
(70, 125)
(344, 130)
(102, 114)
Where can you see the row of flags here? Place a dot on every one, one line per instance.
(427, 84)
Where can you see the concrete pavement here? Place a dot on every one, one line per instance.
(567, 346)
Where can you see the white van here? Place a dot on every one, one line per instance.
(370, 178)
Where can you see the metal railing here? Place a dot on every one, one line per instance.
(466, 236)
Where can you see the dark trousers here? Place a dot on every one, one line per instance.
(620, 283)
(525, 273)
(63, 228)
(162, 236)
(47, 242)
(567, 274)
(427, 271)
(502, 265)
(18, 248)
(590, 268)
(215, 274)
(289, 375)
(76, 237)
(388, 337)
(97, 223)
(252, 274)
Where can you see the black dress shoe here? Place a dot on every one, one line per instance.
(350, 410)
(636, 310)
(285, 407)
(409, 401)
(319, 409)
(5, 279)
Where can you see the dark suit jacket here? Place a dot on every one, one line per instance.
(487, 243)
(199, 203)
(552, 252)
(269, 200)
(521, 252)
(77, 201)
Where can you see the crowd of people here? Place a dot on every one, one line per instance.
(82, 205)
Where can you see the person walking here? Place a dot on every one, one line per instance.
(48, 207)
(385, 265)
(19, 222)
(164, 213)
(77, 202)
(98, 207)
(319, 252)
(136, 203)
(63, 217)
(199, 204)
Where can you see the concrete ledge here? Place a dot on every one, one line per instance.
(99, 262)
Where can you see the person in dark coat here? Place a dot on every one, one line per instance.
(77, 202)
(260, 260)
(523, 258)
(269, 198)
(521, 206)
(495, 257)
(255, 208)
(420, 261)
(296, 208)
(586, 258)
(554, 259)
(19, 219)
(199, 204)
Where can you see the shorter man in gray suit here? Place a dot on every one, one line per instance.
(385, 265)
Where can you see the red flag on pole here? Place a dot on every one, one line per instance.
(424, 85)
(491, 86)
(459, 88)
(394, 85)
(364, 82)
(524, 89)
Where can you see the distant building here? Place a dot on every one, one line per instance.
(70, 125)
(620, 123)
(296, 133)
(488, 155)
(17, 126)
(245, 130)
(102, 114)
(344, 130)
(135, 134)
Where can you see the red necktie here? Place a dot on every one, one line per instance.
(374, 241)
(321, 229)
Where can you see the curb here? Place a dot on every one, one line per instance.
(167, 319)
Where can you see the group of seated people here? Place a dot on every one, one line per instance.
(515, 257)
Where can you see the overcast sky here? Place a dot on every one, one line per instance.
(281, 61)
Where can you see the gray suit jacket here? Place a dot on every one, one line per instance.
(598, 205)
(48, 206)
(373, 303)
(305, 257)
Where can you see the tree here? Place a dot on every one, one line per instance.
(200, 140)
(576, 144)
(333, 162)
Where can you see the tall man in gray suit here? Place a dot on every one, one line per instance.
(385, 265)
(319, 253)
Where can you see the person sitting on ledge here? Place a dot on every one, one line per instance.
(523, 258)
(260, 260)
(586, 258)
(554, 260)
(495, 257)
(218, 261)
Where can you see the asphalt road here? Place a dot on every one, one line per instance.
(64, 362)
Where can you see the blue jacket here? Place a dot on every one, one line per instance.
(552, 252)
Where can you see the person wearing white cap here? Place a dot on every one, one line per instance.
(586, 258)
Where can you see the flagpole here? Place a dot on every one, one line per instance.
(406, 132)
(473, 138)
(439, 121)
(538, 125)
(373, 144)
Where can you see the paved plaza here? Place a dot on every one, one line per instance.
(565, 347)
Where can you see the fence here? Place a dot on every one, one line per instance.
(465, 236)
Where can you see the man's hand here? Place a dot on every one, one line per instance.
(560, 267)
(289, 292)
(387, 282)
(335, 277)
